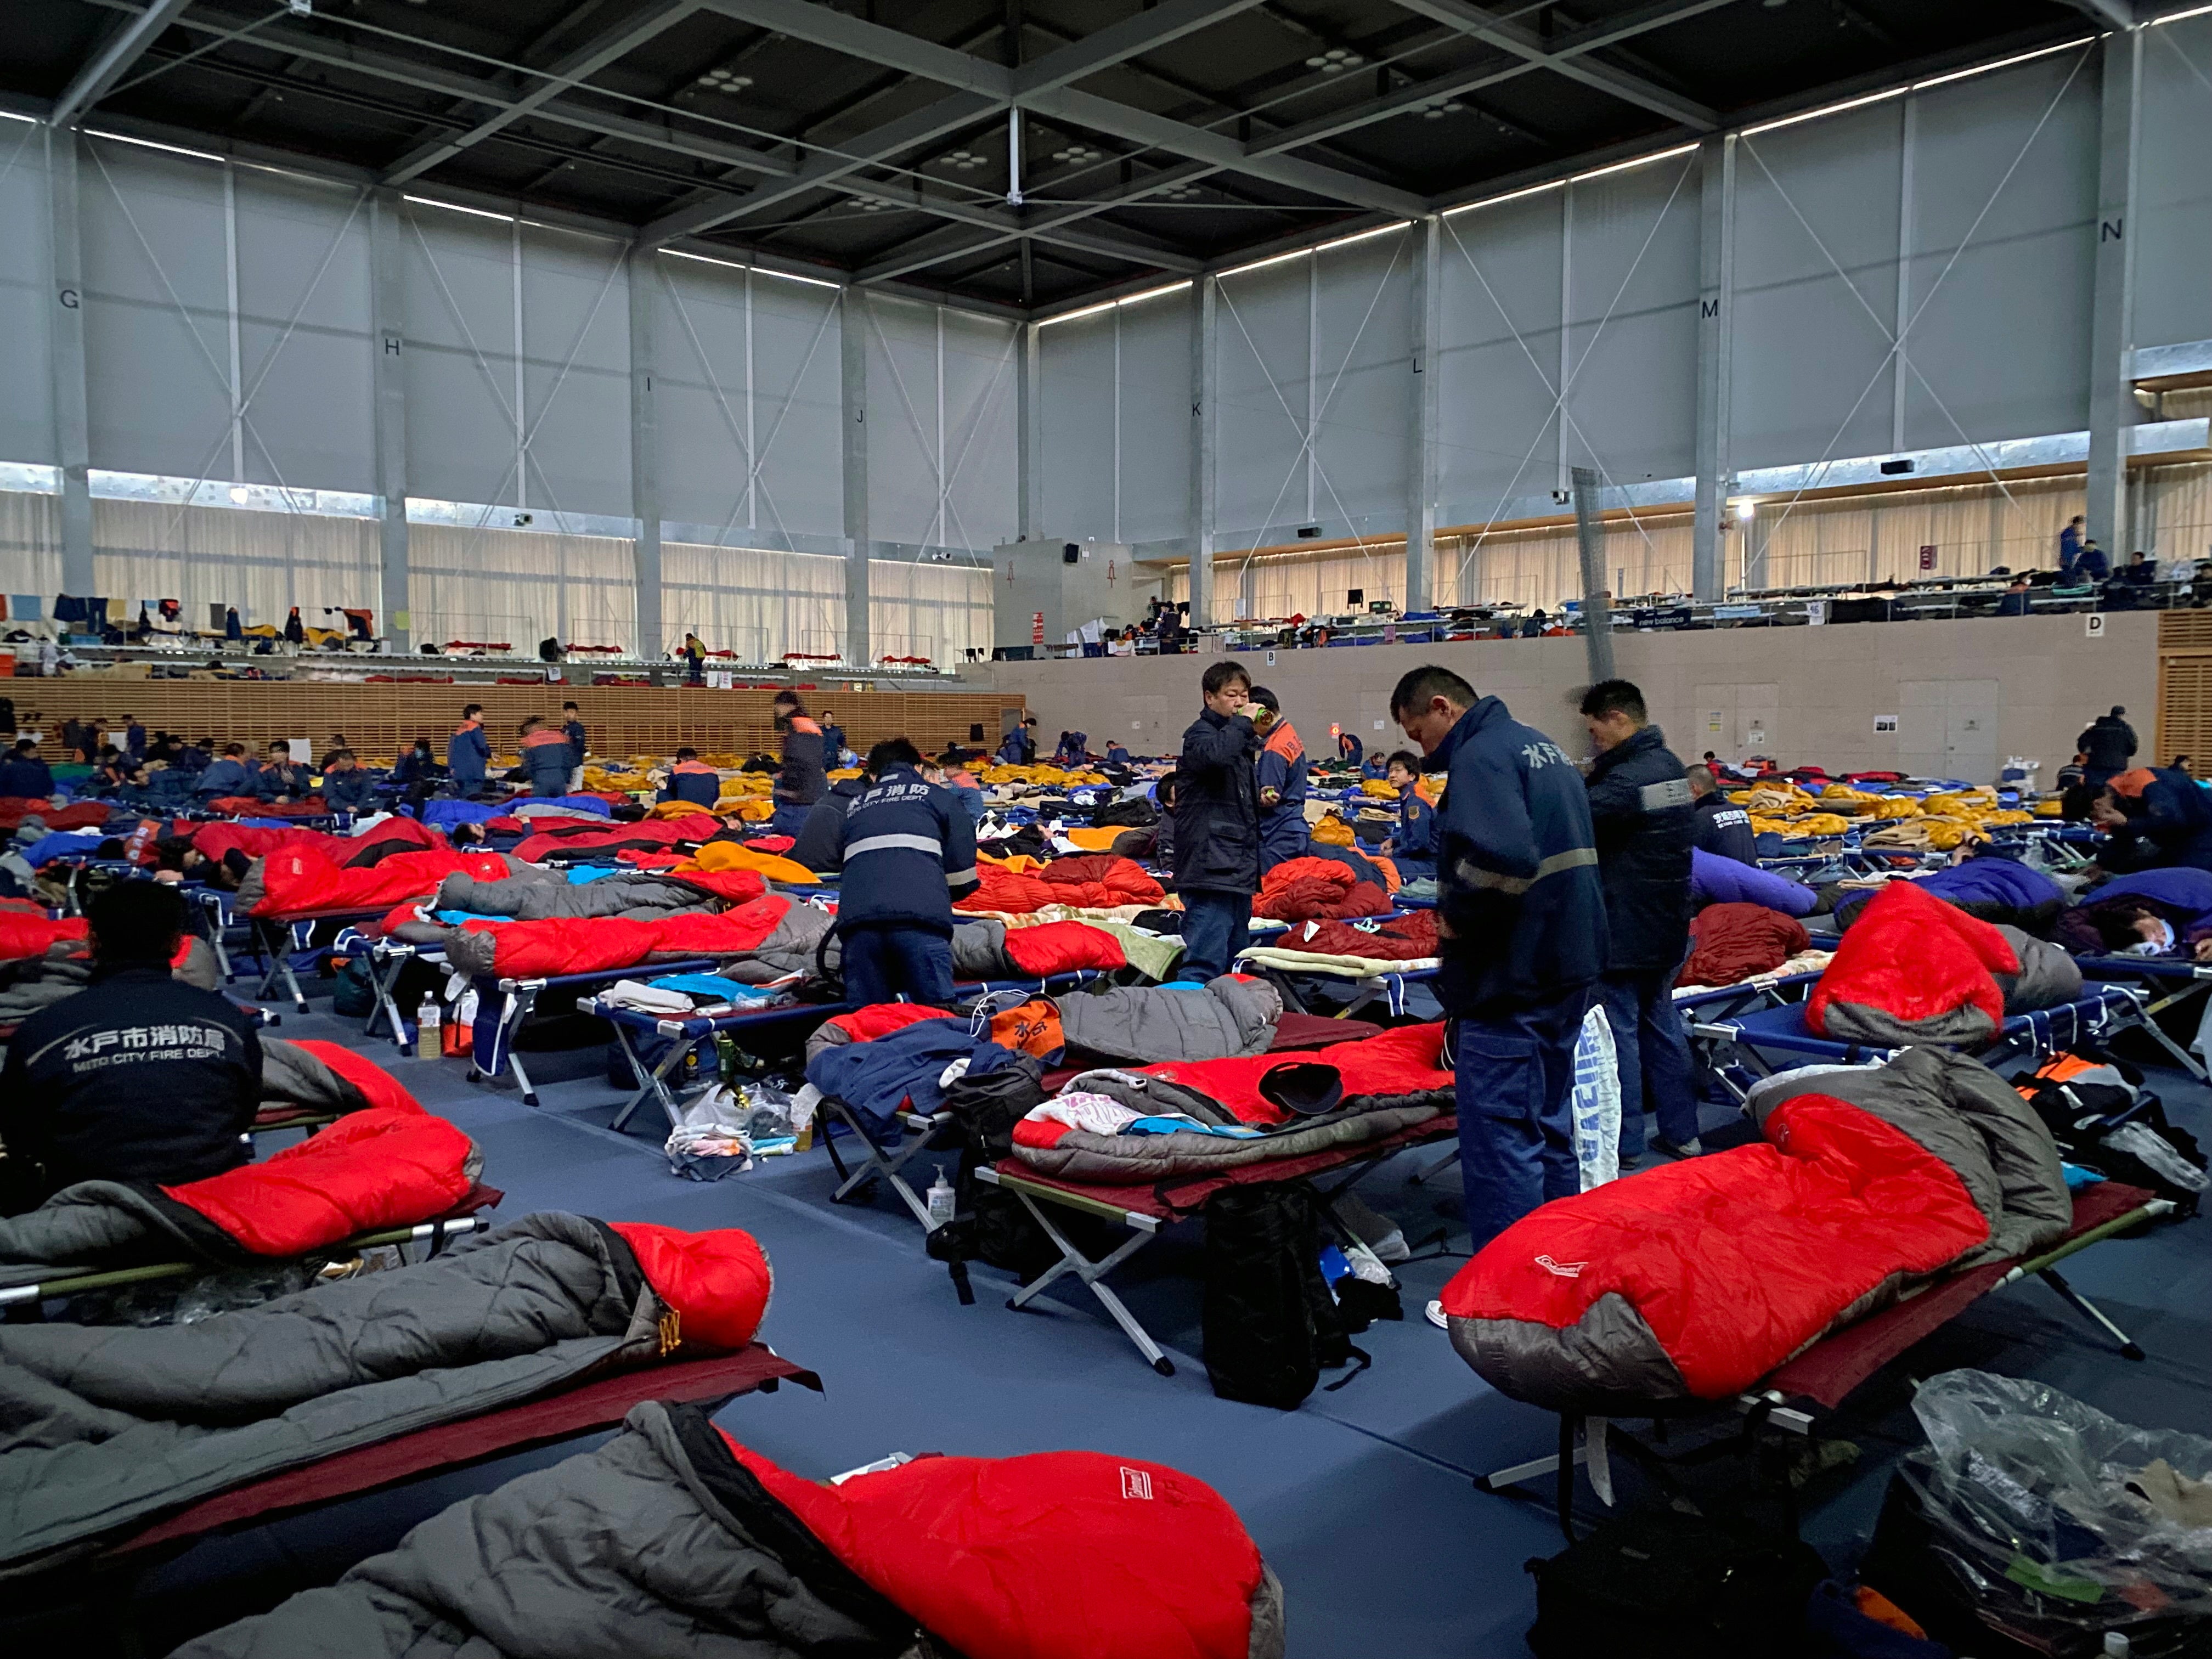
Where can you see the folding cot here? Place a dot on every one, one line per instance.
(687, 1035)
(2171, 982)
(275, 937)
(1822, 1376)
(1367, 989)
(1144, 1209)
(466, 1217)
(1780, 1030)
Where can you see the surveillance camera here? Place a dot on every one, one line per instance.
(520, 520)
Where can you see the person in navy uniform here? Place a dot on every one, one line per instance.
(1522, 922)
(1282, 776)
(1723, 828)
(908, 850)
(1216, 825)
(692, 780)
(468, 752)
(1413, 845)
(137, 1078)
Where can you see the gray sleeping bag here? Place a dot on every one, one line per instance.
(102, 1429)
(1140, 1024)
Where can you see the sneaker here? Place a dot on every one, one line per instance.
(1435, 1313)
(1691, 1148)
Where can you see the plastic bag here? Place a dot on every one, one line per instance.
(2063, 1521)
(1596, 1102)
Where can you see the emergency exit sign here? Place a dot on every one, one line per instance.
(1036, 628)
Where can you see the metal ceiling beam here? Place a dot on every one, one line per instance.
(1453, 84)
(1477, 24)
(113, 60)
(1623, 27)
(1044, 86)
(587, 60)
(2115, 13)
(428, 77)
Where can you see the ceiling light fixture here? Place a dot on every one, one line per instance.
(1336, 60)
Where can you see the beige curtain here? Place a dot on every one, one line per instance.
(30, 547)
(754, 602)
(518, 586)
(936, 611)
(263, 562)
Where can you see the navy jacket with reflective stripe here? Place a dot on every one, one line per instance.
(1516, 866)
(908, 850)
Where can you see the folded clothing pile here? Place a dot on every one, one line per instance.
(1732, 943)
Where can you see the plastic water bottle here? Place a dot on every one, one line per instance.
(941, 1201)
(428, 1020)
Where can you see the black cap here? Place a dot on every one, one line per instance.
(1303, 1088)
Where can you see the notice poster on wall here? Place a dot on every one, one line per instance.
(1885, 725)
(1927, 558)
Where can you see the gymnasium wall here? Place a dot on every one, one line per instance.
(231, 346)
(1965, 693)
(1961, 213)
(377, 719)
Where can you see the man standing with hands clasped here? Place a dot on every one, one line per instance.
(1216, 825)
(1523, 926)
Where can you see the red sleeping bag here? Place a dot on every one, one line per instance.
(386, 1166)
(540, 950)
(716, 1283)
(1696, 1279)
(1062, 947)
(1912, 966)
(1400, 1063)
(23, 935)
(1730, 943)
(1315, 890)
(1056, 1555)
(301, 879)
(592, 836)
(1098, 882)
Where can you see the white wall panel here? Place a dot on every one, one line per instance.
(1155, 432)
(2004, 201)
(906, 451)
(157, 311)
(1498, 355)
(1632, 322)
(306, 344)
(1080, 427)
(1363, 325)
(461, 433)
(1812, 371)
(1263, 345)
(576, 382)
(981, 409)
(26, 372)
(2173, 201)
(707, 423)
(796, 411)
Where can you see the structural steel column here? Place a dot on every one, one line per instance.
(1205, 296)
(1427, 313)
(1716, 321)
(388, 316)
(643, 277)
(1028, 388)
(2111, 380)
(72, 424)
(1589, 540)
(853, 342)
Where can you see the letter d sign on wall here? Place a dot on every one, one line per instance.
(2093, 624)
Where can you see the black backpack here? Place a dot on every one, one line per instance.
(1663, 1585)
(990, 1225)
(1269, 1320)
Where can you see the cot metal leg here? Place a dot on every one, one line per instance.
(1093, 1274)
(653, 1083)
(888, 1165)
(2149, 1011)
(2130, 1348)
(384, 970)
(274, 939)
(517, 1001)
(1434, 1168)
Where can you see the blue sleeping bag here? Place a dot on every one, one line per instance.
(1717, 880)
(2182, 887)
(1983, 886)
